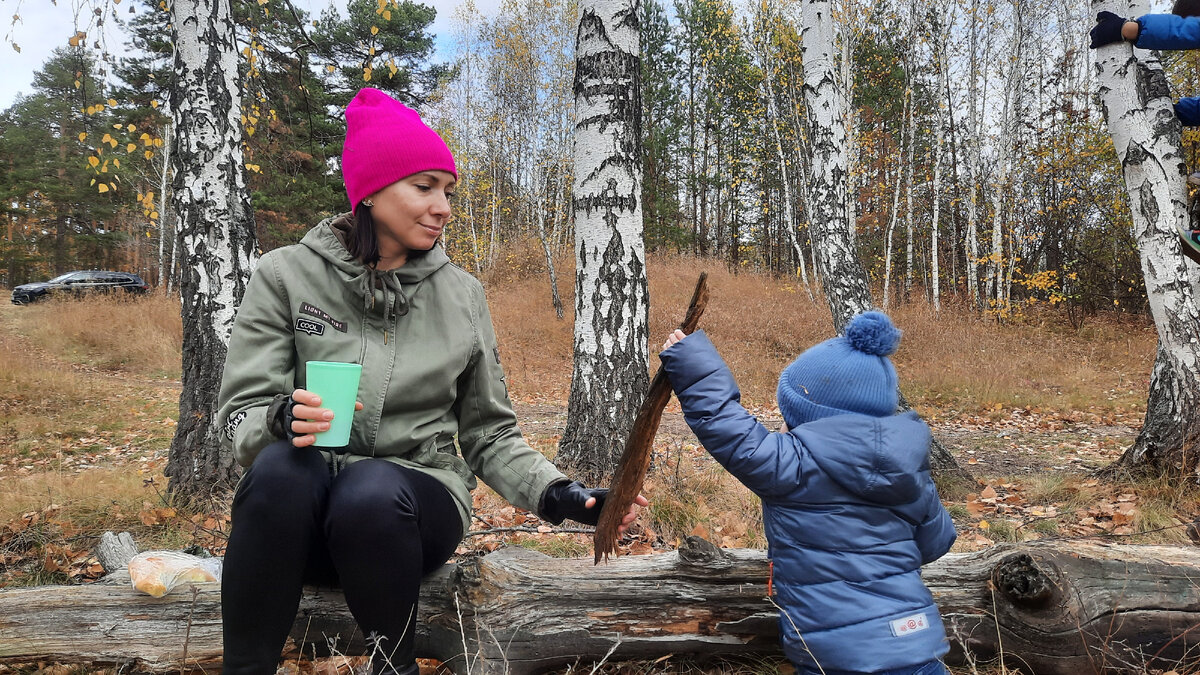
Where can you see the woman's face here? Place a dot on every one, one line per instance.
(410, 214)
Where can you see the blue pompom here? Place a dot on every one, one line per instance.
(873, 333)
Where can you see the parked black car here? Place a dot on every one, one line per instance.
(78, 283)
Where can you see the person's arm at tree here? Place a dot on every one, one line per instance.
(1149, 31)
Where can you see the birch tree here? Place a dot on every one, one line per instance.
(842, 275)
(610, 373)
(215, 228)
(1134, 98)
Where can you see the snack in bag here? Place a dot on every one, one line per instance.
(157, 573)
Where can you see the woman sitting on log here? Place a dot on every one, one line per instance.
(370, 287)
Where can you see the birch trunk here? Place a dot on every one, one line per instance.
(611, 366)
(789, 220)
(908, 198)
(940, 62)
(163, 182)
(841, 272)
(216, 231)
(974, 134)
(1134, 97)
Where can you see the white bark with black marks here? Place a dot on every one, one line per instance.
(215, 226)
(842, 276)
(611, 349)
(1135, 99)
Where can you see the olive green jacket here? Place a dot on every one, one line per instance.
(431, 367)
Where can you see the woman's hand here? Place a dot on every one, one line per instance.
(310, 417)
(674, 337)
(582, 504)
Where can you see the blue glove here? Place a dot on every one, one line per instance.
(1107, 30)
(566, 500)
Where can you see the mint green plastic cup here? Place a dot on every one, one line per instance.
(337, 385)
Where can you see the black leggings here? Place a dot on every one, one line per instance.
(375, 528)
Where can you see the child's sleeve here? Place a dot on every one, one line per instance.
(1168, 31)
(767, 463)
(1188, 111)
(936, 534)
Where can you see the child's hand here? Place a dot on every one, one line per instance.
(673, 338)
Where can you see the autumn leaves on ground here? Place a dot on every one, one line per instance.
(88, 398)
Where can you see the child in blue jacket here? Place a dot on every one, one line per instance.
(849, 508)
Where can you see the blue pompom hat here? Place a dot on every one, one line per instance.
(846, 374)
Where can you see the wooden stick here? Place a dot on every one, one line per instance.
(635, 459)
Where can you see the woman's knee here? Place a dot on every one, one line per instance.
(283, 475)
(372, 491)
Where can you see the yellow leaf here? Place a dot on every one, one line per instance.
(16, 47)
(154, 215)
(93, 161)
(374, 30)
(112, 102)
(330, 69)
(148, 154)
(102, 188)
(78, 84)
(367, 74)
(154, 103)
(116, 162)
(82, 136)
(131, 147)
(158, 142)
(106, 138)
(984, 525)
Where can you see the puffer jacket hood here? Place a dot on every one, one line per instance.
(850, 514)
(881, 463)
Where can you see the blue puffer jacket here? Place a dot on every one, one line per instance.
(850, 513)
(1168, 31)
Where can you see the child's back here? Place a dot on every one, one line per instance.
(849, 508)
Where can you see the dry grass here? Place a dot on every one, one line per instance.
(135, 335)
(955, 362)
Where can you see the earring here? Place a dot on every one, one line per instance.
(368, 203)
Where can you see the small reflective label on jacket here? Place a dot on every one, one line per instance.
(909, 625)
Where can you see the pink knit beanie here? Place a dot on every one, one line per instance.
(386, 141)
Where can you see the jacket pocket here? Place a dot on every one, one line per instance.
(441, 453)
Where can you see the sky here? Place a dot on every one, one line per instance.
(46, 24)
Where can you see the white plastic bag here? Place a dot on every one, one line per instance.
(157, 573)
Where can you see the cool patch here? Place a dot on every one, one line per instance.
(309, 326)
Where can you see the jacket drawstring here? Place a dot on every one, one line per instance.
(394, 302)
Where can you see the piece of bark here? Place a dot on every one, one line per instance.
(1063, 607)
(635, 458)
(115, 551)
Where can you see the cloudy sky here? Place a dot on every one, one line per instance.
(46, 24)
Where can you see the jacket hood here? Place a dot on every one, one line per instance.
(328, 240)
(880, 459)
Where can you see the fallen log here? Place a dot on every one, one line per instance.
(1048, 607)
